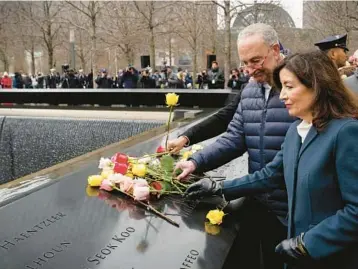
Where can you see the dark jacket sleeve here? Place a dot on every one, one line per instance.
(226, 148)
(214, 125)
(267, 179)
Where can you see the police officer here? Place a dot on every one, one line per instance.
(336, 48)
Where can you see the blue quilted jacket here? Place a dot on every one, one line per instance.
(259, 128)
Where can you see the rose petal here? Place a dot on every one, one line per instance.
(106, 185)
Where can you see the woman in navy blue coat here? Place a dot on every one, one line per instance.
(319, 159)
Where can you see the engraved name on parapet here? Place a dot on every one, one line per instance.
(8, 244)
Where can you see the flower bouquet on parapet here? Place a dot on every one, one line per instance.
(147, 177)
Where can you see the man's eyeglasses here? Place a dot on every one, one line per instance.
(257, 63)
(254, 64)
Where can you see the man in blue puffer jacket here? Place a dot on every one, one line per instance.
(259, 126)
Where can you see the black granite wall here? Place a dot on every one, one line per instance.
(28, 145)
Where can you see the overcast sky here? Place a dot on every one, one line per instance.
(293, 7)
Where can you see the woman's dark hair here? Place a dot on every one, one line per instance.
(317, 71)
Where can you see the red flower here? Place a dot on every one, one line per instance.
(160, 149)
(120, 168)
(119, 158)
(156, 185)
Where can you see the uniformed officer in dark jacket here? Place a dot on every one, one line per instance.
(336, 48)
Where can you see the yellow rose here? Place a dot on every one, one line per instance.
(215, 216)
(139, 170)
(171, 99)
(95, 181)
(212, 229)
(186, 155)
(129, 175)
(92, 192)
(106, 173)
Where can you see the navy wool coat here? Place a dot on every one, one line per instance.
(321, 177)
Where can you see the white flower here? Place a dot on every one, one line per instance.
(140, 182)
(105, 163)
(196, 148)
(116, 178)
(144, 160)
(155, 162)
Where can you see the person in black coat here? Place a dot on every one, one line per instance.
(70, 81)
(236, 81)
(82, 79)
(40, 81)
(51, 79)
(216, 79)
(146, 81)
(103, 81)
(19, 82)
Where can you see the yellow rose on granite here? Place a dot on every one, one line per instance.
(129, 175)
(92, 192)
(171, 99)
(106, 173)
(212, 229)
(139, 170)
(95, 181)
(215, 216)
(187, 154)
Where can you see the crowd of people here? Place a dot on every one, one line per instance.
(128, 78)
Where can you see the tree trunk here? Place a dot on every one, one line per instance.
(127, 54)
(83, 60)
(93, 50)
(50, 57)
(152, 48)
(170, 50)
(49, 42)
(195, 66)
(227, 42)
(33, 67)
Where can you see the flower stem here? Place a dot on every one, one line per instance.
(168, 127)
(166, 192)
(148, 207)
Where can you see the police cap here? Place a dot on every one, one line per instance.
(335, 41)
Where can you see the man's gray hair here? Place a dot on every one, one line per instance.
(266, 31)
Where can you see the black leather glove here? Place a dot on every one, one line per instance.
(293, 250)
(204, 188)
